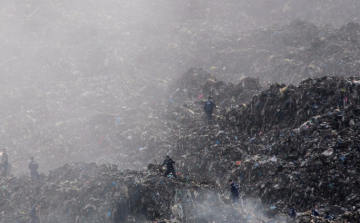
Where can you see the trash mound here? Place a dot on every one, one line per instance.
(314, 164)
(307, 159)
(288, 145)
(101, 193)
(199, 84)
(284, 106)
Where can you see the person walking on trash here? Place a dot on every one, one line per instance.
(169, 166)
(34, 213)
(208, 108)
(234, 189)
(4, 162)
(315, 211)
(33, 166)
(292, 211)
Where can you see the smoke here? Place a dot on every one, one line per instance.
(63, 63)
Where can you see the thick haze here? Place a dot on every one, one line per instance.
(64, 64)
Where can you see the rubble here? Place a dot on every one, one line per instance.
(288, 145)
(90, 193)
(305, 155)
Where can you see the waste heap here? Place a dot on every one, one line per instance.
(91, 193)
(308, 156)
(198, 84)
(288, 145)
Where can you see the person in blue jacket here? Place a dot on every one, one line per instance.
(234, 189)
(208, 108)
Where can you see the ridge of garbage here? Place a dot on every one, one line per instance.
(313, 162)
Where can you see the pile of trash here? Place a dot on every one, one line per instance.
(198, 84)
(289, 106)
(288, 145)
(101, 193)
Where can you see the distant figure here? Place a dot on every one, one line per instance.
(169, 166)
(4, 162)
(33, 213)
(208, 108)
(234, 189)
(328, 216)
(314, 211)
(33, 166)
(292, 212)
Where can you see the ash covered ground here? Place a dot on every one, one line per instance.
(99, 93)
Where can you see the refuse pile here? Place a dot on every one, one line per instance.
(288, 145)
(284, 106)
(83, 192)
(306, 155)
(199, 84)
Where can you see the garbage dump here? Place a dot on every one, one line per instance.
(83, 81)
(287, 145)
(302, 150)
(83, 192)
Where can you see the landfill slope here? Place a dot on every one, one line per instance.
(90, 193)
(290, 144)
(307, 159)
